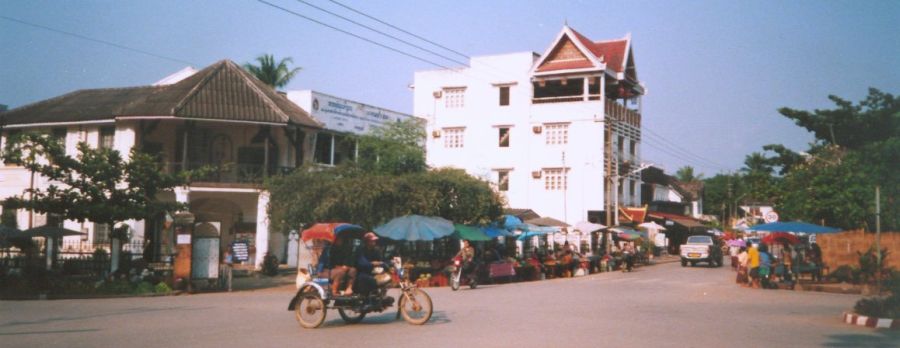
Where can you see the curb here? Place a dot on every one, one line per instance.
(878, 323)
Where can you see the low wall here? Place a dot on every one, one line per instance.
(840, 248)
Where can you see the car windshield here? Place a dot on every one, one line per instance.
(700, 239)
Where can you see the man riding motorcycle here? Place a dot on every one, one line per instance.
(368, 259)
(467, 257)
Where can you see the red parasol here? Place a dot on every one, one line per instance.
(327, 231)
(781, 238)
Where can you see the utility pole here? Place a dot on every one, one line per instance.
(878, 236)
(607, 149)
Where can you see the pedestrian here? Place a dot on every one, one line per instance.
(753, 262)
(765, 266)
(228, 268)
(743, 258)
(788, 262)
(815, 256)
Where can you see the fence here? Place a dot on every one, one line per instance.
(840, 248)
(82, 258)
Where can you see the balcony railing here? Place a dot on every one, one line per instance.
(619, 112)
(564, 99)
(227, 172)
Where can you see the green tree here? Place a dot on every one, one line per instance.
(98, 186)
(274, 74)
(395, 148)
(352, 194)
(686, 174)
(874, 119)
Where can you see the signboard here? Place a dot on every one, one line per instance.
(770, 217)
(184, 239)
(241, 251)
(348, 116)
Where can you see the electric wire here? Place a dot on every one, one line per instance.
(354, 35)
(381, 32)
(108, 43)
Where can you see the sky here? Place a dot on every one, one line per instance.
(716, 71)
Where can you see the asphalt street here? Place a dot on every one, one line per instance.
(663, 305)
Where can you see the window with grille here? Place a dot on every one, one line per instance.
(101, 233)
(454, 98)
(453, 137)
(555, 179)
(633, 148)
(503, 180)
(107, 137)
(557, 133)
(504, 136)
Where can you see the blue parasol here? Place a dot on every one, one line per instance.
(415, 227)
(493, 231)
(793, 226)
(534, 230)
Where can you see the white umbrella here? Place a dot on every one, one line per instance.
(652, 226)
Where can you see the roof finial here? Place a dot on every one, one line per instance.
(566, 22)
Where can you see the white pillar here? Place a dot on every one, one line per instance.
(262, 228)
(182, 194)
(293, 249)
(124, 140)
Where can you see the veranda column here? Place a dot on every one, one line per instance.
(262, 228)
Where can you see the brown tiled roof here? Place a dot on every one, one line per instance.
(522, 214)
(613, 53)
(222, 91)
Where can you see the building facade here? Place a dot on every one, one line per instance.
(545, 130)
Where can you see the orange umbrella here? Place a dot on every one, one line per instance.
(781, 237)
(328, 230)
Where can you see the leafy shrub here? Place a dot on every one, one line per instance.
(844, 273)
(162, 288)
(883, 306)
(143, 288)
(868, 264)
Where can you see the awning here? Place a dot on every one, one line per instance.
(469, 233)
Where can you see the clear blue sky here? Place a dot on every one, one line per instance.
(716, 71)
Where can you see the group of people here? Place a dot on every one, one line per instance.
(350, 268)
(756, 264)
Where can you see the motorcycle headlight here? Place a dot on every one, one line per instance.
(378, 270)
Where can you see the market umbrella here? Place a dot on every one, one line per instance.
(534, 230)
(48, 231)
(652, 226)
(793, 226)
(737, 243)
(510, 221)
(493, 231)
(781, 237)
(469, 233)
(588, 227)
(415, 227)
(327, 231)
(628, 234)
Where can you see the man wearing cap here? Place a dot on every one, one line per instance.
(366, 262)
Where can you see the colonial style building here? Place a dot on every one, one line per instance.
(545, 129)
(220, 117)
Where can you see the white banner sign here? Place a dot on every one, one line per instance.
(348, 116)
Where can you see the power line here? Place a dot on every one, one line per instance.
(401, 30)
(665, 145)
(381, 32)
(108, 43)
(354, 35)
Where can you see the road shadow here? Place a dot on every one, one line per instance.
(129, 311)
(878, 338)
(385, 318)
(46, 332)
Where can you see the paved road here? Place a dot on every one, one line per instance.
(660, 306)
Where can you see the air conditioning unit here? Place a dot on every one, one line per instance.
(536, 174)
(437, 94)
(436, 133)
(537, 129)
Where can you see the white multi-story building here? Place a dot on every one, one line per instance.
(536, 125)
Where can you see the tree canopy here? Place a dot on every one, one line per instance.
(686, 174)
(274, 74)
(98, 185)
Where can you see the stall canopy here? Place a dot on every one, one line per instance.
(415, 227)
(493, 231)
(793, 226)
(469, 233)
(530, 230)
(588, 227)
(327, 231)
(781, 238)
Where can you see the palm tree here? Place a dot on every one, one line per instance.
(686, 174)
(270, 73)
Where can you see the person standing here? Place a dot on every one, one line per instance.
(742, 261)
(815, 256)
(228, 268)
(753, 262)
(787, 259)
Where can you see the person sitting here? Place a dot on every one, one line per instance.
(367, 260)
(343, 273)
(765, 266)
(629, 255)
(466, 256)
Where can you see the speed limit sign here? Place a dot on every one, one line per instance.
(771, 216)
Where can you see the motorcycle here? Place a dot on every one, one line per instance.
(314, 297)
(456, 271)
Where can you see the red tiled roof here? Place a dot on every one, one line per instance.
(613, 51)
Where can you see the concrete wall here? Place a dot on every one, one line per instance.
(840, 248)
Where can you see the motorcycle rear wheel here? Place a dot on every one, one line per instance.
(351, 316)
(416, 309)
(310, 312)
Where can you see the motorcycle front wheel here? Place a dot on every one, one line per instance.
(454, 282)
(415, 306)
(310, 312)
(351, 316)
